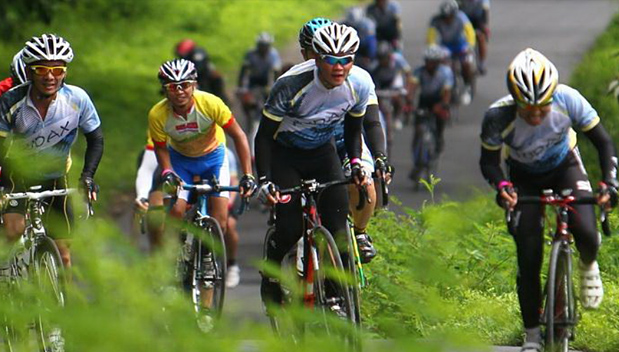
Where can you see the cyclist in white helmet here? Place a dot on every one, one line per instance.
(535, 122)
(295, 138)
(18, 74)
(42, 118)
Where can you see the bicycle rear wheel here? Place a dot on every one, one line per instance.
(47, 274)
(208, 275)
(560, 309)
(332, 298)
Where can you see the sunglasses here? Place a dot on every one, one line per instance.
(334, 60)
(41, 70)
(175, 86)
(528, 107)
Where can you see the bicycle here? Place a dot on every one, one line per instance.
(386, 99)
(425, 153)
(201, 263)
(36, 259)
(324, 282)
(560, 315)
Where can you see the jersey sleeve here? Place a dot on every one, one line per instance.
(222, 114)
(277, 104)
(156, 122)
(276, 60)
(448, 77)
(363, 87)
(89, 119)
(580, 111)
(469, 31)
(491, 131)
(401, 62)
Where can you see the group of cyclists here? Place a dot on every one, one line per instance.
(320, 120)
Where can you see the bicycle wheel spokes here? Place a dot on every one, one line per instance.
(560, 310)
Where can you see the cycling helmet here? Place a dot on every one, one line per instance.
(434, 52)
(18, 68)
(184, 47)
(532, 78)
(335, 39)
(177, 70)
(47, 47)
(309, 28)
(449, 8)
(265, 38)
(384, 49)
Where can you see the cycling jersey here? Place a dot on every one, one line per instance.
(387, 20)
(50, 138)
(537, 149)
(431, 87)
(6, 84)
(366, 30)
(458, 35)
(475, 10)
(199, 133)
(258, 70)
(391, 76)
(309, 112)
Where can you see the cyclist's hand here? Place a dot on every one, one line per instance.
(248, 185)
(89, 187)
(441, 110)
(267, 193)
(607, 196)
(506, 196)
(384, 168)
(358, 174)
(171, 181)
(141, 204)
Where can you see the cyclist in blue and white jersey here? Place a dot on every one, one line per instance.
(366, 29)
(434, 82)
(295, 139)
(39, 123)
(453, 30)
(478, 12)
(373, 145)
(536, 123)
(387, 14)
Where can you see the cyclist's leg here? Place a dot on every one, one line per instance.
(217, 166)
(13, 216)
(59, 220)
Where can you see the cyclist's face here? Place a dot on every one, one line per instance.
(332, 75)
(534, 115)
(48, 78)
(180, 95)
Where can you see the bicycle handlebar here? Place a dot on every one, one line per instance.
(314, 187)
(39, 195)
(207, 188)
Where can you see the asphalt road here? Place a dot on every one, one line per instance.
(561, 29)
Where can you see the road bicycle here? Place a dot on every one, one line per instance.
(560, 313)
(325, 282)
(35, 260)
(201, 264)
(425, 153)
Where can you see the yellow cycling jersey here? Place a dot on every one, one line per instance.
(197, 134)
(149, 141)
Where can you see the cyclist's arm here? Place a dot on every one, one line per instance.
(352, 135)
(606, 152)
(374, 131)
(244, 75)
(469, 32)
(241, 145)
(94, 152)
(432, 36)
(263, 145)
(163, 156)
(490, 163)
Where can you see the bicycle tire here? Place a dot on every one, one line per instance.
(332, 290)
(560, 309)
(47, 271)
(209, 268)
(357, 277)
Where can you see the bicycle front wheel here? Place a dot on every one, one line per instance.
(560, 309)
(48, 274)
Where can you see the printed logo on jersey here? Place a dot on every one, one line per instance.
(187, 127)
(52, 134)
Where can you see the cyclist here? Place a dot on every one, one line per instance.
(478, 12)
(295, 139)
(535, 122)
(18, 74)
(391, 72)
(434, 81)
(261, 67)
(366, 29)
(41, 119)
(374, 138)
(187, 128)
(209, 79)
(387, 16)
(453, 30)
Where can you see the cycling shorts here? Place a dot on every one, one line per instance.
(58, 217)
(206, 166)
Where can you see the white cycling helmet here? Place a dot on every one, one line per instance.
(335, 39)
(177, 70)
(532, 78)
(434, 52)
(18, 68)
(265, 38)
(47, 47)
(449, 8)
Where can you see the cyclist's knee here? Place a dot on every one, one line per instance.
(15, 225)
(65, 252)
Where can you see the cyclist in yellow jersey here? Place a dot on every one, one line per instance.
(187, 128)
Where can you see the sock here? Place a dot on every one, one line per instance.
(533, 335)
